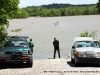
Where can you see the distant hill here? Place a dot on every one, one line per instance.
(55, 9)
(57, 6)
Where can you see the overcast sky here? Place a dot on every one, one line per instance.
(25, 3)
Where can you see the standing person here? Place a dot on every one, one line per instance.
(31, 45)
(56, 47)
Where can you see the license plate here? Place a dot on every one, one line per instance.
(13, 58)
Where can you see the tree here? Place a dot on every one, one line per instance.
(98, 6)
(7, 9)
(63, 11)
(55, 12)
(23, 14)
(45, 13)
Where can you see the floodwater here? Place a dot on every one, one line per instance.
(43, 30)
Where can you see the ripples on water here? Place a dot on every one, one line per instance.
(42, 31)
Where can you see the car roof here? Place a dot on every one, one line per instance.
(24, 37)
(83, 39)
(16, 39)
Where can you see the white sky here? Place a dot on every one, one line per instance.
(25, 3)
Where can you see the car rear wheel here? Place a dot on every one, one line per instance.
(30, 61)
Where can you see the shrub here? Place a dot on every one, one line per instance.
(87, 34)
(16, 30)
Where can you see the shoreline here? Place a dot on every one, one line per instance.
(55, 16)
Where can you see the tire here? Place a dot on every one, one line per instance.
(30, 61)
(76, 63)
(72, 60)
(3, 66)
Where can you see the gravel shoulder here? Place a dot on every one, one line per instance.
(57, 66)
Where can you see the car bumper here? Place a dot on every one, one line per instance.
(88, 60)
(14, 59)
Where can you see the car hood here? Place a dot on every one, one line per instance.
(13, 49)
(88, 50)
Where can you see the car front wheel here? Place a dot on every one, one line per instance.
(76, 63)
(30, 61)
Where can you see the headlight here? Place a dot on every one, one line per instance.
(83, 54)
(98, 54)
(1, 53)
(25, 52)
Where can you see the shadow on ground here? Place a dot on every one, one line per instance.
(50, 58)
(82, 65)
(12, 66)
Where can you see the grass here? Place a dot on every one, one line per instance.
(16, 30)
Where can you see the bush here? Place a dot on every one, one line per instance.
(16, 30)
(87, 34)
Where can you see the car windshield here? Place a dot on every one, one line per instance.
(88, 44)
(16, 43)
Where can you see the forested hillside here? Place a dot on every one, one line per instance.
(57, 6)
(52, 10)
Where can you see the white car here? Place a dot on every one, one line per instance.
(85, 50)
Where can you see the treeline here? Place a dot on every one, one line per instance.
(57, 10)
(57, 6)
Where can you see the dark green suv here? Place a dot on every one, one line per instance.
(16, 51)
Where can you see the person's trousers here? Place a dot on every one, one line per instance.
(31, 49)
(56, 49)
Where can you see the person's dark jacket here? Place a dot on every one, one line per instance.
(56, 43)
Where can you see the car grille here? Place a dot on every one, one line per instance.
(13, 52)
(92, 60)
(14, 58)
(91, 55)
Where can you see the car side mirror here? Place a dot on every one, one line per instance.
(73, 47)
